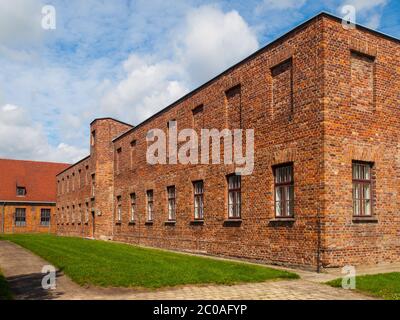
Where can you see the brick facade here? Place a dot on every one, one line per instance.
(319, 97)
(34, 210)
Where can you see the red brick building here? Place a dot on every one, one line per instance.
(324, 103)
(28, 196)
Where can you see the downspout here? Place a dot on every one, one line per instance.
(3, 217)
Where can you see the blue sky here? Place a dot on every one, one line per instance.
(128, 59)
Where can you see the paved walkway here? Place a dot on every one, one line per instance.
(23, 271)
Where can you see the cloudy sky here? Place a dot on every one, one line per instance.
(129, 59)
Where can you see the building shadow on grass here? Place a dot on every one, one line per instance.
(29, 287)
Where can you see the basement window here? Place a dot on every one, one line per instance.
(21, 191)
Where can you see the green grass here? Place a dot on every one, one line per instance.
(108, 264)
(382, 285)
(5, 293)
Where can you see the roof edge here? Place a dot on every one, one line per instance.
(116, 120)
(73, 165)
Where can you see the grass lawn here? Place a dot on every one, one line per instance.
(382, 285)
(5, 293)
(109, 264)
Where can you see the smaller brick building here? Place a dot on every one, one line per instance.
(28, 195)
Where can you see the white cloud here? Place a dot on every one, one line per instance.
(20, 22)
(365, 4)
(147, 87)
(211, 41)
(281, 4)
(22, 138)
(208, 42)
(368, 12)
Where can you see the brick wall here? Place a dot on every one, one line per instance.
(362, 81)
(33, 218)
(320, 97)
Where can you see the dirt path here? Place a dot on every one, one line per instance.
(22, 270)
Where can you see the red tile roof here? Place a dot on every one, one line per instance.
(39, 179)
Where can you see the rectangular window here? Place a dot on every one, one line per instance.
(20, 217)
(282, 88)
(234, 197)
(79, 178)
(117, 160)
(362, 84)
(93, 138)
(119, 209)
(133, 206)
(93, 191)
(150, 205)
(198, 187)
(362, 189)
(133, 153)
(45, 217)
(234, 107)
(171, 203)
(73, 214)
(79, 213)
(87, 212)
(198, 117)
(284, 191)
(21, 191)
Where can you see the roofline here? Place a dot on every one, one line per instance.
(35, 161)
(254, 54)
(109, 118)
(73, 165)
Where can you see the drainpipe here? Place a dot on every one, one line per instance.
(2, 217)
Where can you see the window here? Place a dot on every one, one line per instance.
(362, 82)
(133, 151)
(150, 205)
(21, 191)
(171, 203)
(67, 184)
(119, 209)
(80, 213)
(87, 212)
(93, 191)
(133, 206)
(73, 181)
(117, 160)
(20, 217)
(73, 214)
(93, 138)
(87, 175)
(198, 117)
(362, 189)
(79, 178)
(45, 217)
(234, 107)
(198, 187)
(284, 191)
(282, 88)
(234, 197)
